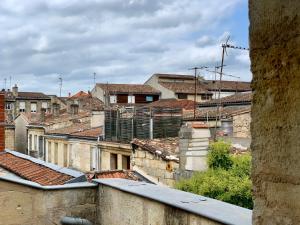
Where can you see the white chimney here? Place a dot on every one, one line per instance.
(193, 146)
(98, 119)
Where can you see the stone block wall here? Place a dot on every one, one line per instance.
(241, 125)
(10, 138)
(24, 205)
(163, 171)
(275, 128)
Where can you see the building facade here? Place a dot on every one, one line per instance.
(125, 93)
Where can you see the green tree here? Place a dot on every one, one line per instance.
(227, 180)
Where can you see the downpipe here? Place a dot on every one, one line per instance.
(74, 221)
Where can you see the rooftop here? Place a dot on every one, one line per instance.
(37, 171)
(227, 85)
(166, 148)
(27, 95)
(128, 88)
(173, 103)
(185, 88)
(238, 98)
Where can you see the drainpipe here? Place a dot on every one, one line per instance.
(74, 221)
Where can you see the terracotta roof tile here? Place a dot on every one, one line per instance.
(128, 88)
(32, 171)
(93, 132)
(173, 103)
(74, 128)
(166, 148)
(124, 174)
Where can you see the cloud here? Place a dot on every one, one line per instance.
(120, 40)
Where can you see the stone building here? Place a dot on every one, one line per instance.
(125, 93)
(10, 136)
(241, 121)
(17, 102)
(183, 87)
(82, 148)
(156, 159)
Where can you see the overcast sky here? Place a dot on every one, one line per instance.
(122, 41)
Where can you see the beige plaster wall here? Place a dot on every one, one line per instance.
(275, 128)
(28, 206)
(118, 207)
(154, 166)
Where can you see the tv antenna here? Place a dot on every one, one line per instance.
(60, 84)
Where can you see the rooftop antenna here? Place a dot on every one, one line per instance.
(4, 83)
(94, 78)
(60, 85)
(195, 91)
(224, 50)
(9, 81)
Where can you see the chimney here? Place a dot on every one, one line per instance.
(15, 91)
(2, 122)
(97, 119)
(69, 94)
(74, 109)
(193, 146)
(55, 109)
(43, 115)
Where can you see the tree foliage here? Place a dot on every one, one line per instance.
(227, 179)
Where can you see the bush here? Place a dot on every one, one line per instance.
(220, 184)
(218, 155)
(227, 179)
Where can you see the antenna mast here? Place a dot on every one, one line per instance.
(60, 85)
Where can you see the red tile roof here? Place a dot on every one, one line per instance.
(93, 132)
(174, 76)
(166, 148)
(32, 171)
(128, 88)
(124, 174)
(80, 94)
(74, 128)
(173, 103)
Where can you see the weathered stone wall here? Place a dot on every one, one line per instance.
(10, 138)
(118, 207)
(241, 125)
(275, 129)
(154, 166)
(28, 206)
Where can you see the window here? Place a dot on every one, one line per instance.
(56, 153)
(22, 106)
(205, 97)
(113, 99)
(94, 159)
(113, 161)
(35, 142)
(149, 98)
(44, 105)
(41, 146)
(182, 96)
(33, 107)
(8, 106)
(125, 162)
(30, 142)
(131, 99)
(65, 155)
(49, 151)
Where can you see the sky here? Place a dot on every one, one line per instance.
(122, 41)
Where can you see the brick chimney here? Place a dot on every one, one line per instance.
(2, 122)
(43, 115)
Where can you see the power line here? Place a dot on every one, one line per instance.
(195, 91)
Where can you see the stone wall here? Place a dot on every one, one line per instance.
(241, 125)
(25, 205)
(10, 137)
(161, 170)
(275, 128)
